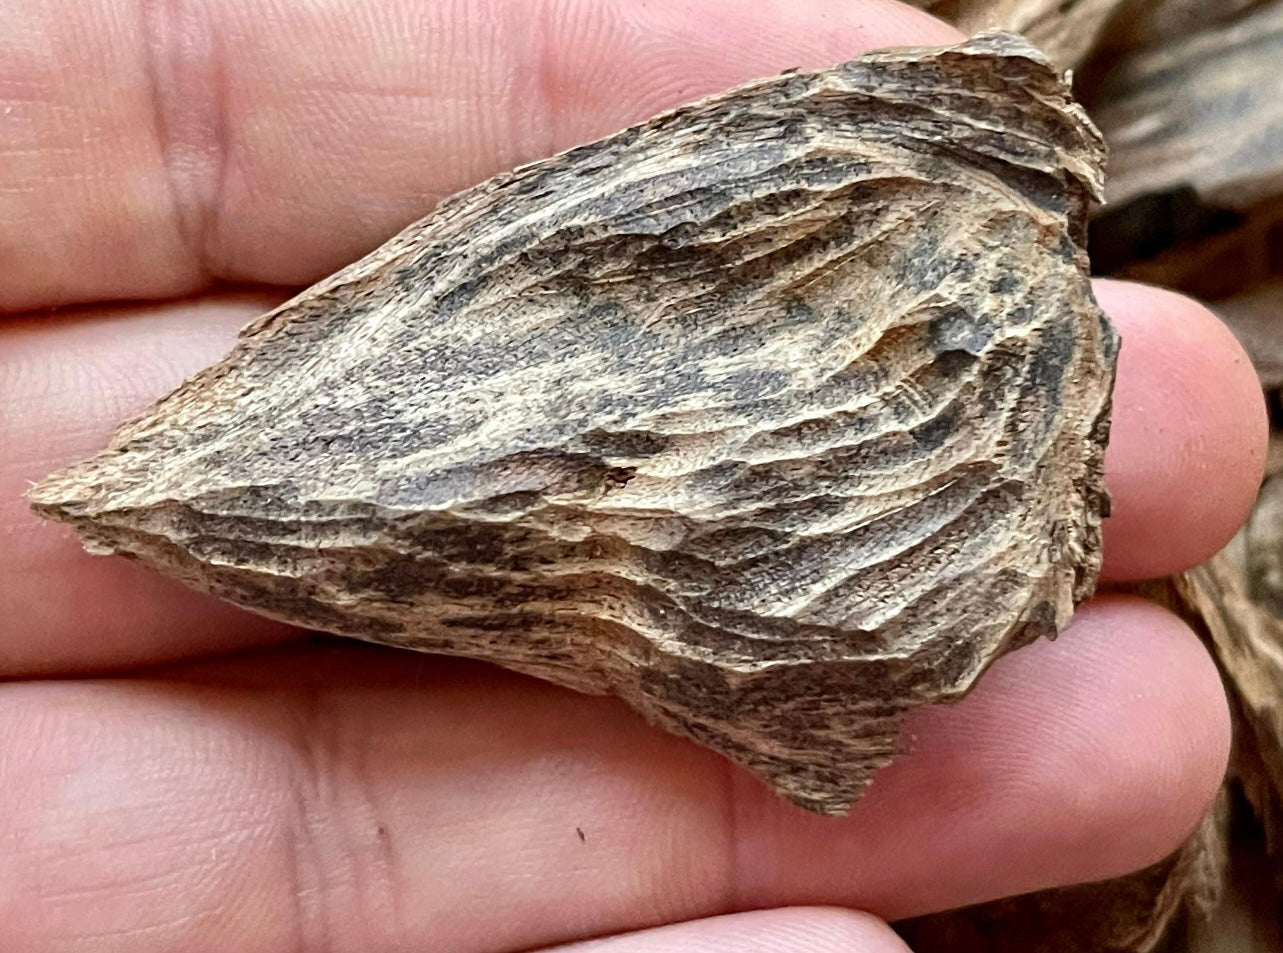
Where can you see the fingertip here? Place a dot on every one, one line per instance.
(1073, 761)
(788, 930)
(1132, 738)
(299, 136)
(1188, 441)
(1168, 702)
(1106, 747)
(1091, 756)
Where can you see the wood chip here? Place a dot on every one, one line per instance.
(1247, 641)
(1274, 453)
(1205, 113)
(1256, 318)
(1246, 920)
(1155, 22)
(1067, 31)
(1175, 240)
(777, 416)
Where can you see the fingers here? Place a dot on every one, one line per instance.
(144, 155)
(356, 799)
(1183, 466)
(1187, 449)
(797, 930)
(1066, 766)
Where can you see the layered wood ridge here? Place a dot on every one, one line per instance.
(776, 416)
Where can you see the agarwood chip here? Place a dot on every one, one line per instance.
(1262, 539)
(777, 416)
(1246, 918)
(1067, 31)
(1072, 32)
(1156, 22)
(1204, 113)
(1274, 452)
(1246, 639)
(1173, 239)
(1256, 318)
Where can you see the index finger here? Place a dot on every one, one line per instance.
(148, 155)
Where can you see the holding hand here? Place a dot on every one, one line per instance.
(241, 789)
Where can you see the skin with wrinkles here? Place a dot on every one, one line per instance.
(777, 416)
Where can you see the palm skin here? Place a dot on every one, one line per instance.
(178, 775)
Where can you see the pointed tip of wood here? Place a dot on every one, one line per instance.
(51, 498)
(72, 495)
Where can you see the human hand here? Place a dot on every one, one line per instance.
(238, 788)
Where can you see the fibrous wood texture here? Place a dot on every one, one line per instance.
(1256, 318)
(1065, 30)
(1172, 239)
(776, 416)
(1262, 562)
(1195, 129)
(1187, 94)
(1159, 22)
(1070, 32)
(1247, 641)
(1204, 113)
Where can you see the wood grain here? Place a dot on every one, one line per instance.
(777, 416)
(1204, 113)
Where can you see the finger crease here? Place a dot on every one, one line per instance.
(308, 888)
(184, 66)
(345, 864)
(732, 890)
